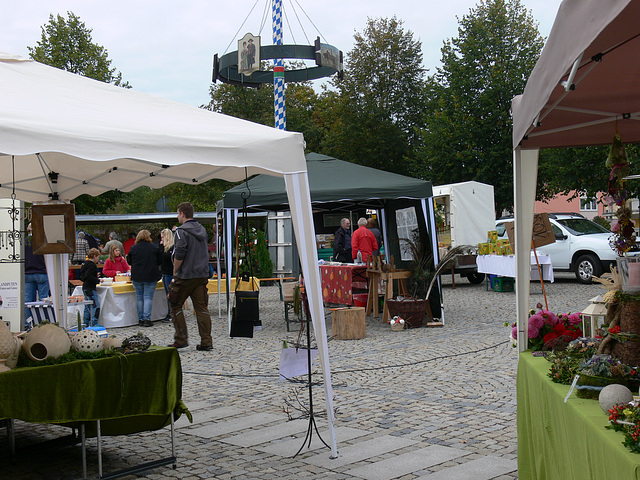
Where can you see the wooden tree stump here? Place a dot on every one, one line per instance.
(348, 323)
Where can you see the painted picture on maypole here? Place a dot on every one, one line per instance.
(248, 54)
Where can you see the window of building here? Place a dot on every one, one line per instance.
(588, 204)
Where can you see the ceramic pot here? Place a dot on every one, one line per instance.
(46, 341)
(12, 361)
(111, 342)
(7, 345)
(87, 341)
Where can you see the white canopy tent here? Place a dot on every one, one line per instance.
(62, 135)
(582, 90)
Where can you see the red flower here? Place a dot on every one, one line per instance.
(615, 329)
(550, 336)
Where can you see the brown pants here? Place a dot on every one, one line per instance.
(196, 289)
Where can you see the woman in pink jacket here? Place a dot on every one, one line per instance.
(116, 263)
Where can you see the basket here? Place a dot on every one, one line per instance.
(397, 327)
(413, 310)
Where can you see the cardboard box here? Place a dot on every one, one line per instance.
(542, 233)
(492, 236)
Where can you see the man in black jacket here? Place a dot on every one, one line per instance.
(342, 242)
(89, 276)
(190, 278)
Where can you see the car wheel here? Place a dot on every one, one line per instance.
(475, 277)
(587, 266)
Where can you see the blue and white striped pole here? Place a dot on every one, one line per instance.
(278, 69)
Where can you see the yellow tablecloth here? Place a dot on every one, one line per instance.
(128, 287)
(212, 285)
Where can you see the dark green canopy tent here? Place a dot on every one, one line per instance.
(340, 186)
(333, 182)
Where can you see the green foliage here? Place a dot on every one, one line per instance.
(468, 126)
(575, 170)
(372, 119)
(67, 44)
(253, 248)
(602, 221)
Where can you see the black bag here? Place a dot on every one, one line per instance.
(244, 314)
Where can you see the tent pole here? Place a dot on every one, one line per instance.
(525, 169)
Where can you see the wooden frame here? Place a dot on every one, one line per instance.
(38, 215)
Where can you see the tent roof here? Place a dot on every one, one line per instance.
(98, 137)
(606, 95)
(331, 181)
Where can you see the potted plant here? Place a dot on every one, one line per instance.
(414, 308)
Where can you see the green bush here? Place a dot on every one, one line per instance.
(602, 221)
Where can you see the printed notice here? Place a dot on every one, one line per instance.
(9, 295)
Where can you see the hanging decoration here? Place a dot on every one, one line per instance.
(623, 237)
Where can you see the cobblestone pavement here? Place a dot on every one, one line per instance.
(430, 402)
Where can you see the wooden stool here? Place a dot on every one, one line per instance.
(348, 323)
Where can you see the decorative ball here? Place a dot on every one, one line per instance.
(87, 341)
(613, 395)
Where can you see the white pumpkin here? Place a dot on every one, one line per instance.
(87, 341)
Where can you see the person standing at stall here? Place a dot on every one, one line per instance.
(363, 241)
(115, 264)
(342, 242)
(145, 258)
(36, 282)
(372, 225)
(89, 276)
(166, 268)
(190, 277)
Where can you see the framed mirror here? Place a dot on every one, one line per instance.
(54, 228)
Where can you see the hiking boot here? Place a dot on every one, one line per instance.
(204, 348)
(178, 345)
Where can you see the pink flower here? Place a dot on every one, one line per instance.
(514, 333)
(533, 331)
(536, 321)
(575, 318)
(550, 318)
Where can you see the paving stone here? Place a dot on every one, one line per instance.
(405, 463)
(484, 468)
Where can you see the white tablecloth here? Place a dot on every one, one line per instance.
(120, 310)
(505, 266)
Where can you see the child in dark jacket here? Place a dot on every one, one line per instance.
(89, 276)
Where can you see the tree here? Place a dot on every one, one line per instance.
(468, 125)
(256, 105)
(380, 98)
(579, 171)
(67, 44)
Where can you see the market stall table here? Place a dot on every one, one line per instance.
(505, 266)
(565, 440)
(339, 282)
(118, 305)
(118, 395)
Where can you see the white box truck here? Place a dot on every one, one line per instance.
(465, 212)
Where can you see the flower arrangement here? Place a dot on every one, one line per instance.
(565, 364)
(548, 331)
(623, 237)
(626, 419)
(602, 370)
(397, 323)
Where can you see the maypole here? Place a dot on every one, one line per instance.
(279, 108)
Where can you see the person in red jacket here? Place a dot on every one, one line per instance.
(116, 263)
(363, 241)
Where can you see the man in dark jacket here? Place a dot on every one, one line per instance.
(190, 277)
(89, 276)
(342, 242)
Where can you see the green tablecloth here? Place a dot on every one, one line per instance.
(558, 440)
(128, 393)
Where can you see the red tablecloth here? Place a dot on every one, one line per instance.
(338, 282)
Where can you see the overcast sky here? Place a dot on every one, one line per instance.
(165, 48)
